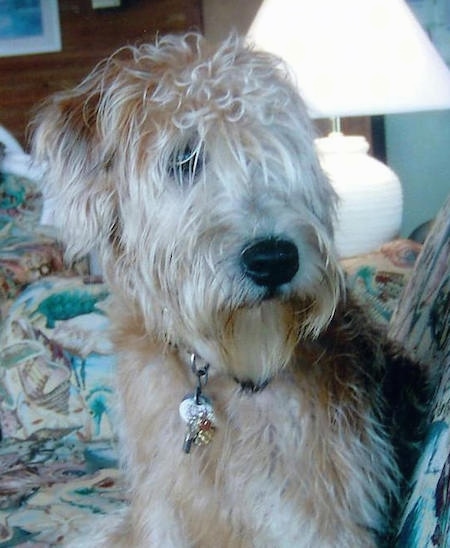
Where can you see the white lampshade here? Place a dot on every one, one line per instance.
(354, 57)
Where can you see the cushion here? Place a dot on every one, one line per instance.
(58, 459)
(28, 251)
(57, 366)
(376, 279)
(50, 489)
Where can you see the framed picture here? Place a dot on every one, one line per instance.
(29, 26)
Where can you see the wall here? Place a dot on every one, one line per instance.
(220, 17)
(418, 145)
(418, 150)
(88, 36)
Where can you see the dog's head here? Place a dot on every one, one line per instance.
(193, 171)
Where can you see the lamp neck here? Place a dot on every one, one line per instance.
(336, 124)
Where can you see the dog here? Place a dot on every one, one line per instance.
(257, 406)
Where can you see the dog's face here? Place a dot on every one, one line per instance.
(193, 172)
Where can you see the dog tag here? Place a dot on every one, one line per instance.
(198, 413)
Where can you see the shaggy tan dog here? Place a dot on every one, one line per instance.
(251, 392)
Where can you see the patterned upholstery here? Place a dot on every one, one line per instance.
(421, 324)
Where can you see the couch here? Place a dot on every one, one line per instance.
(58, 460)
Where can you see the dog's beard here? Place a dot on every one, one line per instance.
(259, 338)
(249, 343)
(235, 328)
(257, 342)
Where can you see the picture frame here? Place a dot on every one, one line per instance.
(29, 27)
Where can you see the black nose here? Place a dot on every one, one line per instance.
(270, 262)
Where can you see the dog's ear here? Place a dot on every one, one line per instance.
(77, 183)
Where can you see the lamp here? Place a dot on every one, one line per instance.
(353, 58)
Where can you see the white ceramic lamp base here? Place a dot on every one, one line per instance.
(371, 200)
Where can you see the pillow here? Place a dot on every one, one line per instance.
(376, 279)
(28, 251)
(56, 362)
(20, 201)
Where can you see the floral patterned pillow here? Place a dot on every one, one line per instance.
(376, 279)
(56, 362)
(28, 251)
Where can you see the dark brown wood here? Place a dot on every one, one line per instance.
(88, 36)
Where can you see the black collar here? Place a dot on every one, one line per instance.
(200, 368)
(249, 387)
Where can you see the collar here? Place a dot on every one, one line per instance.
(200, 368)
(249, 387)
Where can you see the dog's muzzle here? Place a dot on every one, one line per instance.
(270, 262)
